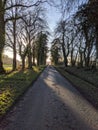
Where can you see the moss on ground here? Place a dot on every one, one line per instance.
(15, 84)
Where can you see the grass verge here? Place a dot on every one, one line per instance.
(89, 91)
(87, 75)
(7, 68)
(13, 85)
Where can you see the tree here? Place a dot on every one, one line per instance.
(42, 48)
(5, 6)
(78, 34)
(12, 27)
(33, 23)
(22, 47)
(61, 30)
(55, 51)
(90, 11)
(88, 31)
(2, 32)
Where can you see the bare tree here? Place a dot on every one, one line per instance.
(5, 6)
(61, 31)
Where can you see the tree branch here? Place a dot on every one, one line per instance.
(25, 6)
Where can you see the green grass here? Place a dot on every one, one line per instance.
(89, 76)
(88, 90)
(7, 68)
(15, 84)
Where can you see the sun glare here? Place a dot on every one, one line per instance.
(10, 54)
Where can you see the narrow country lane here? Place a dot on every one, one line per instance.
(52, 103)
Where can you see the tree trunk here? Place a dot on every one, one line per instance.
(2, 38)
(14, 59)
(87, 62)
(64, 54)
(97, 41)
(14, 46)
(29, 57)
(34, 61)
(34, 56)
(88, 58)
(38, 58)
(75, 60)
(81, 59)
(29, 62)
(72, 57)
(23, 63)
(1, 64)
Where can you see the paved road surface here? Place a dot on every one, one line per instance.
(52, 103)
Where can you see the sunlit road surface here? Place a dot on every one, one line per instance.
(52, 103)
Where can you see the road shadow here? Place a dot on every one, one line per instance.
(85, 115)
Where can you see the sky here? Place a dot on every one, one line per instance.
(53, 17)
